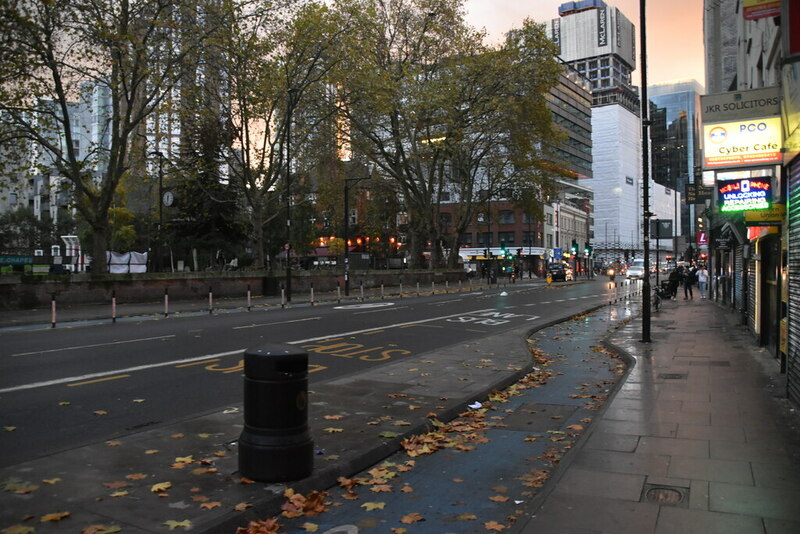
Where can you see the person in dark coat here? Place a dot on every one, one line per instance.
(689, 279)
(674, 281)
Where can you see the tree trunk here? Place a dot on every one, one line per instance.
(258, 239)
(99, 245)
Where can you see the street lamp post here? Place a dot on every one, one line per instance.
(347, 184)
(160, 157)
(645, 174)
(290, 103)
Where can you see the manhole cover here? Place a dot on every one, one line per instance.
(666, 495)
(671, 376)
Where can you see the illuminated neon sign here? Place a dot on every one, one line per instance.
(745, 194)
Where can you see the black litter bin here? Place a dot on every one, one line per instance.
(275, 444)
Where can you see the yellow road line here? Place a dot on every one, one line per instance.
(98, 380)
(197, 363)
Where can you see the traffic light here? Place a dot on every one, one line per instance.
(486, 253)
(519, 252)
(586, 249)
(503, 251)
(574, 247)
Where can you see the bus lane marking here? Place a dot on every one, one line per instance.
(351, 350)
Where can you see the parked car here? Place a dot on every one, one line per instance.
(557, 271)
(636, 269)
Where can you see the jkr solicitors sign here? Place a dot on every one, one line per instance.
(744, 194)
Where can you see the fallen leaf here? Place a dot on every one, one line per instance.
(575, 427)
(64, 403)
(203, 435)
(101, 529)
(210, 505)
(136, 476)
(494, 525)
(369, 506)
(467, 517)
(310, 527)
(333, 417)
(399, 530)
(184, 459)
(220, 454)
(18, 529)
(411, 518)
(381, 488)
(388, 435)
(9, 428)
(51, 480)
(161, 486)
(407, 489)
(242, 506)
(151, 451)
(199, 498)
(119, 494)
(172, 524)
(116, 484)
(137, 401)
(332, 430)
(176, 436)
(58, 516)
(245, 480)
(100, 412)
(113, 443)
(498, 498)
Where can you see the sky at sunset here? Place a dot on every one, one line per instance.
(674, 31)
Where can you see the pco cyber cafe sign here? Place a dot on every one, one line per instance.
(742, 128)
(744, 194)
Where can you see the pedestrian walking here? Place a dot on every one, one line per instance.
(674, 280)
(689, 279)
(702, 281)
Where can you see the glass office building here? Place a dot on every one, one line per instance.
(675, 139)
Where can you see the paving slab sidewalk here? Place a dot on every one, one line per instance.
(700, 438)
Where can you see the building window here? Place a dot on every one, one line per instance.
(549, 219)
(529, 239)
(506, 217)
(465, 240)
(549, 240)
(527, 218)
(484, 239)
(506, 238)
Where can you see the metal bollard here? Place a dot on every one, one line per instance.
(113, 306)
(275, 444)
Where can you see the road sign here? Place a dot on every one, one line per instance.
(558, 253)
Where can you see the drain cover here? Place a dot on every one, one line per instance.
(666, 495)
(671, 376)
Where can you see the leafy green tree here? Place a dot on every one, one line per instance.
(125, 56)
(21, 232)
(440, 113)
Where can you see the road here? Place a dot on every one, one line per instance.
(67, 387)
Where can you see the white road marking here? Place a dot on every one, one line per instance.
(91, 376)
(395, 325)
(78, 347)
(279, 322)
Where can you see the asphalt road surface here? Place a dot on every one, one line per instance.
(67, 387)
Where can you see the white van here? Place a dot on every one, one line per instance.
(636, 269)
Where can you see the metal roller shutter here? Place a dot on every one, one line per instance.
(793, 357)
